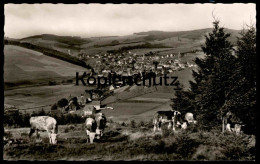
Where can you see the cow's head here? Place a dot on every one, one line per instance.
(99, 133)
(177, 118)
(53, 138)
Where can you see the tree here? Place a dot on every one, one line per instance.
(242, 93)
(133, 64)
(225, 81)
(155, 64)
(207, 94)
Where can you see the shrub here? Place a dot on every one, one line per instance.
(133, 124)
(141, 124)
(62, 102)
(52, 83)
(186, 145)
(41, 113)
(54, 107)
(70, 81)
(66, 130)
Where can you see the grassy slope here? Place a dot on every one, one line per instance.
(28, 66)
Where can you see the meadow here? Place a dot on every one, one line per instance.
(133, 141)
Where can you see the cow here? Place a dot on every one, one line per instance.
(91, 127)
(188, 120)
(101, 123)
(171, 117)
(231, 124)
(44, 123)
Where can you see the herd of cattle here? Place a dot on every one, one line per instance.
(96, 123)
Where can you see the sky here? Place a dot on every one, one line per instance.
(92, 20)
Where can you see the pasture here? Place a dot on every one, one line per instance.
(130, 142)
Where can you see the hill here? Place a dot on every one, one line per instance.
(179, 40)
(24, 66)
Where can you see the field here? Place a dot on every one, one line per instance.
(26, 66)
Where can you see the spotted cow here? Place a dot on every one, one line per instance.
(91, 127)
(232, 124)
(173, 118)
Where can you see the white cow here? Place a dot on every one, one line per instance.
(188, 119)
(44, 123)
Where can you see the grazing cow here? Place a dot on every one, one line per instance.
(44, 123)
(171, 117)
(91, 127)
(101, 124)
(231, 124)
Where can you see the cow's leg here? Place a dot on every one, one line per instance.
(223, 125)
(31, 132)
(49, 135)
(98, 132)
(91, 137)
(101, 133)
(87, 131)
(154, 128)
(169, 126)
(237, 129)
(173, 127)
(155, 125)
(159, 126)
(228, 128)
(37, 134)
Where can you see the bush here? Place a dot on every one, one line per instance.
(52, 83)
(62, 102)
(70, 81)
(123, 124)
(141, 124)
(133, 124)
(54, 107)
(185, 145)
(66, 130)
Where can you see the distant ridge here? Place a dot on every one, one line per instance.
(53, 36)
